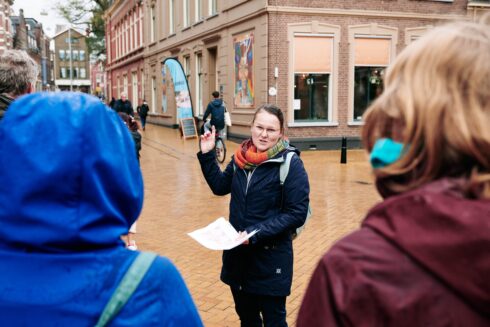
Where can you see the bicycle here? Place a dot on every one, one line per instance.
(219, 146)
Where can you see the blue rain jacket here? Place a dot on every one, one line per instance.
(70, 186)
(258, 201)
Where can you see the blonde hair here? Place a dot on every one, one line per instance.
(437, 102)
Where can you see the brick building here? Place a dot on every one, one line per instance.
(321, 61)
(28, 35)
(124, 39)
(5, 25)
(71, 62)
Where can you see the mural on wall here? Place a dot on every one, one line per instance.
(244, 77)
(181, 88)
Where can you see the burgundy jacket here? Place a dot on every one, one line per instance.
(421, 258)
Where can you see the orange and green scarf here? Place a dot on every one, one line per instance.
(247, 157)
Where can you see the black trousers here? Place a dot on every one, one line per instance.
(260, 310)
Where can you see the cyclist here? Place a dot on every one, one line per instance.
(216, 109)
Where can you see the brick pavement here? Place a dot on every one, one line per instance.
(178, 200)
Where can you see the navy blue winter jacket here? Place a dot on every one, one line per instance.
(70, 186)
(258, 201)
(217, 111)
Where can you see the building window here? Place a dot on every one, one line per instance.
(62, 54)
(312, 78)
(187, 13)
(153, 95)
(187, 66)
(75, 72)
(371, 56)
(199, 84)
(63, 72)
(74, 54)
(142, 84)
(171, 15)
(198, 10)
(152, 24)
(134, 91)
(82, 55)
(83, 73)
(125, 84)
(213, 7)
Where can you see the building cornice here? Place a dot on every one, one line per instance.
(361, 13)
(209, 35)
(125, 61)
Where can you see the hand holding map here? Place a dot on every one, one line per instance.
(219, 235)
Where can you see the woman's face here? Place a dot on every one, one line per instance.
(266, 131)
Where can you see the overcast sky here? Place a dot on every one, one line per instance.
(33, 9)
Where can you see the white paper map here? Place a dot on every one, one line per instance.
(219, 235)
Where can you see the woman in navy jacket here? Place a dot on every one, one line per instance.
(260, 271)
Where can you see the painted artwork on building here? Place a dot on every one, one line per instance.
(181, 88)
(244, 77)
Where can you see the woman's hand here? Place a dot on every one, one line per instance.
(243, 234)
(207, 140)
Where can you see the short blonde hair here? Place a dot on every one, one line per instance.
(437, 102)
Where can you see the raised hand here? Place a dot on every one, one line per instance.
(207, 140)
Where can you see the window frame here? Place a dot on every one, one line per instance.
(365, 31)
(322, 30)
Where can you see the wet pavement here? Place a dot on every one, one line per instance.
(178, 200)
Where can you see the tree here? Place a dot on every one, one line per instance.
(88, 15)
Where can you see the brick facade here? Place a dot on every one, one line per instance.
(124, 39)
(173, 29)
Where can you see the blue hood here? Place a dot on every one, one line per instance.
(69, 177)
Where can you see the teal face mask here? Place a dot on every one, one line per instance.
(385, 152)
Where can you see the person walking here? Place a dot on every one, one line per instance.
(18, 74)
(216, 109)
(124, 105)
(421, 256)
(132, 126)
(143, 113)
(67, 196)
(260, 271)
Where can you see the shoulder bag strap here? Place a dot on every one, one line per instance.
(126, 287)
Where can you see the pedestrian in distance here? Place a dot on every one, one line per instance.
(143, 113)
(112, 103)
(216, 109)
(260, 271)
(67, 196)
(18, 74)
(421, 256)
(124, 105)
(132, 126)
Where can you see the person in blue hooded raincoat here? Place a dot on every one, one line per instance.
(67, 193)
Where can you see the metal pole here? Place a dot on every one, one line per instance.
(343, 151)
(71, 63)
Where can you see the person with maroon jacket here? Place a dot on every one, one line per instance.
(422, 256)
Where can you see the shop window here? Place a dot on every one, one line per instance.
(371, 56)
(312, 78)
(199, 84)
